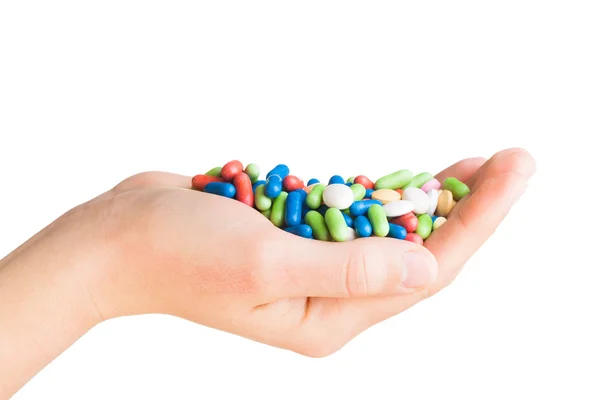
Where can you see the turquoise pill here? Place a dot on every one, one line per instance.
(419, 180)
(317, 222)
(336, 224)
(395, 180)
(458, 189)
(378, 220)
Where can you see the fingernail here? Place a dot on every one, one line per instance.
(417, 270)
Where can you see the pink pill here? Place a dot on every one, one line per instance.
(432, 184)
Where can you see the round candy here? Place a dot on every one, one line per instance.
(338, 195)
(433, 201)
(351, 234)
(258, 183)
(312, 181)
(444, 203)
(408, 221)
(438, 222)
(282, 170)
(385, 195)
(231, 169)
(293, 208)
(358, 190)
(216, 171)
(413, 237)
(396, 180)
(432, 184)
(398, 207)
(418, 197)
(348, 219)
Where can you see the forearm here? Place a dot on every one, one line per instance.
(44, 308)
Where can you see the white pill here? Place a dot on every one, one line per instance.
(398, 207)
(418, 197)
(439, 221)
(351, 234)
(338, 196)
(433, 200)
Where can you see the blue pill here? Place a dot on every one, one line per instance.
(361, 207)
(305, 210)
(274, 186)
(302, 193)
(282, 170)
(349, 184)
(349, 220)
(433, 218)
(397, 231)
(368, 193)
(293, 208)
(258, 183)
(363, 227)
(321, 210)
(220, 188)
(302, 230)
(312, 181)
(336, 179)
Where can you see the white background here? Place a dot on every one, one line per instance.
(92, 92)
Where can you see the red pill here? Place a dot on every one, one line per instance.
(199, 181)
(413, 237)
(231, 169)
(363, 180)
(408, 221)
(291, 183)
(243, 189)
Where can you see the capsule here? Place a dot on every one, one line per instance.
(278, 210)
(261, 201)
(396, 180)
(425, 226)
(258, 183)
(349, 220)
(336, 179)
(368, 194)
(274, 186)
(361, 207)
(291, 183)
(200, 181)
(336, 224)
(282, 170)
(312, 181)
(293, 208)
(231, 169)
(397, 232)
(413, 237)
(408, 221)
(243, 189)
(220, 188)
(363, 226)
(358, 190)
(302, 230)
(363, 180)
(216, 171)
(315, 198)
(253, 171)
(317, 222)
(419, 180)
(378, 220)
(458, 189)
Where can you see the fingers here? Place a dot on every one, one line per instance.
(510, 160)
(462, 170)
(360, 268)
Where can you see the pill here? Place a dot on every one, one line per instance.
(444, 203)
(310, 187)
(348, 184)
(258, 183)
(413, 237)
(385, 195)
(358, 190)
(363, 180)
(282, 170)
(351, 234)
(266, 213)
(458, 189)
(314, 199)
(302, 230)
(418, 197)
(400, 191)
(432, 184)
(433, 218)
(433, 201)
(378, 220)
(338, 195)
(261, 201)
(312, 181)
(397, 231)
(438, 222)
(336, 224)
(317, 222)
(278, 209)
(424, 227)
(419, 180)
(274, 186)
(348, 219)
(322, 209)
(216, 171)
(220, 188)
(231, 169)
(408, 221)
(253, 171)
(200, 181)
(293, 208)
(350, 180)
(243, 189)
(336, 179)
(361, 207)
(368, 193)
(397, 208)
(291, 183)
(396, 180)
(363, 226)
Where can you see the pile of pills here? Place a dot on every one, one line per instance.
(399, 205)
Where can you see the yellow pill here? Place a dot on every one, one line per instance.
(439, 221)
(385, 195)
(444, 203)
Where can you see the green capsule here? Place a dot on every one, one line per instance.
(317, 222)
(419, 180)
(425, 226)
(351, 179)
(253, 171)
(278, 209)
(394, 181)
(315, 197)
(336, 224)
(261, 201)
(216, 171)
(266, 213)
(359, 191)
(458, 189)
(378, 220)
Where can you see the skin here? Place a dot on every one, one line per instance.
(151, 245)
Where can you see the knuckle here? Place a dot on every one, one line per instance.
(357, 272)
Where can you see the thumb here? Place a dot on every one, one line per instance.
(360, 268)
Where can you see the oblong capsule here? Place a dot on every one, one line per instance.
(231, 169)
(278, 210)
(397, 232)
(432, 184)
(261, 201)
(408, 221)
(291, 183)
(368, 194)
(413, 237)
(336, 224)
(317, 222)
(253, 171)
(302, 230)
(348, 219)
(282, 170)
(395, 180)
(220, 188)
(359, 191)
(458, 189)
(363, 226)
(336, 179)
(200, 181)
(378, 220)
(216, 171)
(350, 180)
(361, 207)
(312, 181)
(274, 186)
(315, 198)
(293, 208)
(419, 180)
(243, 189)
(363, 180)
(425, 226)
(257, 183)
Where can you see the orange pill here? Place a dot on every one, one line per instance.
(200, 181)
(243, 189)
(231, 169)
